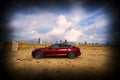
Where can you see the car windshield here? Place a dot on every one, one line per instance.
(54, 46)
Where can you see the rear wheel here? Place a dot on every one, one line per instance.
(38, 55)
(71, 55)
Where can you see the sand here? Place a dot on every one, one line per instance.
(94, 64)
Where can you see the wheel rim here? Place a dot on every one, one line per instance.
(38, 55)
(71, 55)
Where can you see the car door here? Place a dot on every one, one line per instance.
(62, 50)
(52, 51)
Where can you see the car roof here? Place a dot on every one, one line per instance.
(62, 44)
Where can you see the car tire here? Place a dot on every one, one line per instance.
(38, 55)
(71, 55)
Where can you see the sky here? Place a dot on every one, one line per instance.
(75, 23)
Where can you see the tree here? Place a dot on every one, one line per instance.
(85, 42)
(107, 43)
(61, 41)
(65, 42)
(39, 40)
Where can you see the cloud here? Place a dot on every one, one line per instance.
(41, 22)
(32, 26)
(96, 38)
(62, 26)
(95, 26)
(77, 12)
(73, 35)
(65, 30)
(74, 26)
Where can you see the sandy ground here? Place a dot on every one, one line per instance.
(94, 64)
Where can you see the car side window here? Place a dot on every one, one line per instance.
(62, 46)
(55, 46)
(65, 46)
(68, 46)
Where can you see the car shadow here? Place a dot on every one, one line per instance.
(60, 57)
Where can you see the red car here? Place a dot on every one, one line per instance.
(57, 50)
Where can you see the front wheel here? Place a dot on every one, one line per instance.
(71, 55)
(38, 55)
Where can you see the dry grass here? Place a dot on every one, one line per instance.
(25, 46)
(93, 62)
